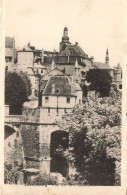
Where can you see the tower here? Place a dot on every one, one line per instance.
(107, 57)
(65, 40)
(65, 33)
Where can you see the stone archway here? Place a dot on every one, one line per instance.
(59, 144)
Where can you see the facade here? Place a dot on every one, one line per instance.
(29, 56)
(69, 54)
(58, 97)
(10, 53)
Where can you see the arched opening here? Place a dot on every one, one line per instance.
(59, 144)
(8, 131)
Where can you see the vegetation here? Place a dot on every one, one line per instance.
(17, 90)
(95, 139)
(100, 81)
(11, 173)
(39, 180)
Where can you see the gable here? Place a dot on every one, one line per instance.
(53, 72)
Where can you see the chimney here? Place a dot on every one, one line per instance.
(76, 43)
(107, 57)
(42, 58)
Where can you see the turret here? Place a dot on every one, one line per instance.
(107, 57)
(65, 40)
(65, 32)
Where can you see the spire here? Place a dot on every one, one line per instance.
(107, 57)
(65, 33)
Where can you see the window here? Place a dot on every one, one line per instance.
(120, 86)
(10, 59)
(7, 60)
(46, 99)
(57, 91)
(68, 100)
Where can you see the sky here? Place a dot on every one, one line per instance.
(95, 24)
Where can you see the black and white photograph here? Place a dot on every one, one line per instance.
(63, 75)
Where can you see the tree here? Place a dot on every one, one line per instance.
(16, 92)
(95, 139)
(12, 173)
(27, 82)
(100, 81)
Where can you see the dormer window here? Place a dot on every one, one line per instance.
(57, 91)
(46, 99)
(68, 100)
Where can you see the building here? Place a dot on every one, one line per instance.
(69, 54)
(10, 53)
(29, 56)
(114, 72)
(39, 130)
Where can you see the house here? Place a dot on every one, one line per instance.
(69, 53)
(29, 56)
(10, 53)
(59, 93)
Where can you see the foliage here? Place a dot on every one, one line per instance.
(100, 81)
(11, 173)
(95, 139)
(16, 91)
(27, 82)
(39, 180)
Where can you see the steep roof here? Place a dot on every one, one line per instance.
(9, 42)
(77, 49)
(26, 48)
(58, 85)
(101, 65)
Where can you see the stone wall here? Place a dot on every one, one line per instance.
(30, 140)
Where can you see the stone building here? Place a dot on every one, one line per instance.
(29, 56)
(69, 54)
(40, 131)
(10, 54)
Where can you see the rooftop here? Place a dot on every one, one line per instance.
(101, 65)
(58, 85)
